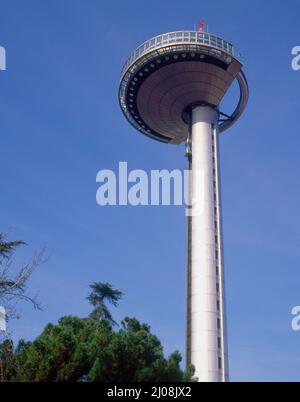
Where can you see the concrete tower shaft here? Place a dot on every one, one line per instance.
(206, 327)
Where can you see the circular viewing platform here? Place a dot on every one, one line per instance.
(170, 73)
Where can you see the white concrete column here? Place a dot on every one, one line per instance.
(207, 330)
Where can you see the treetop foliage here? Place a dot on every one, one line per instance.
(90, 350)
(84, 349)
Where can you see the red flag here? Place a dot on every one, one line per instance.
(201, 25)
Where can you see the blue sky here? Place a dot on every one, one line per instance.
(60, 124)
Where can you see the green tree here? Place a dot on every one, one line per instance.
(83, 349)
(102, 292)
(7, 360)
(13, 282)
(89, 349)
(6, 248)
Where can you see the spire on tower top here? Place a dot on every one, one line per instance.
(201, 25)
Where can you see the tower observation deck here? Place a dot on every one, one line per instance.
(171, 88)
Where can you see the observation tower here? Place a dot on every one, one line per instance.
(171, 88)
